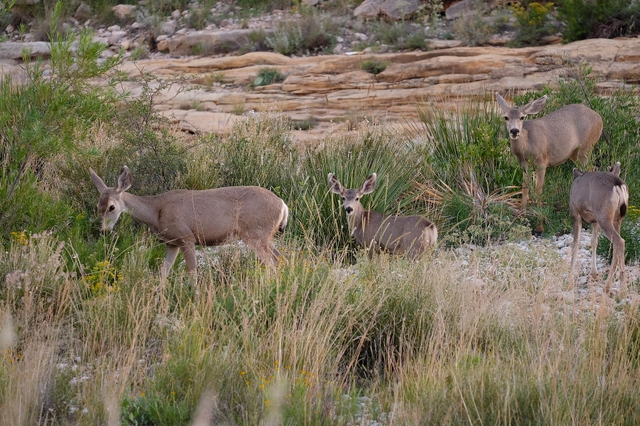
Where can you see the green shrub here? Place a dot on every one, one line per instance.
(399, 35)
(42, 121)
(598, 18)
(267, 76)
(473, 29)
(533, 23)
(374, 66)
(310, 34)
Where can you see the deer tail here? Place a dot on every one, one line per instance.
(284, 217)
(430, 235)
(621, 192)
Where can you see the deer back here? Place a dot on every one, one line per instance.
(559, 135)
(394, 233)
(215, 215)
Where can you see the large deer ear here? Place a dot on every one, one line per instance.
(124, 180)
(369, 185)
(504, 106)
(99, 183)
(577, 173)
(534, 107)
(615, 169)
(334, 184)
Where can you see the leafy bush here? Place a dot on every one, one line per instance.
(309, 34)
(399, 35)
(473, 29)
(43, 120)
(267, 76)
(598, 18)
(533, 23)
(374, 66)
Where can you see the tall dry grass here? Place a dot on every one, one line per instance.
(484, 336)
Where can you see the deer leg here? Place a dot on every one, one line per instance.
(525, 190)
(618, 244)
(169, 260)
(577, 227)
(189, 253)
(264, 251)
(540, 173)
(594, 248)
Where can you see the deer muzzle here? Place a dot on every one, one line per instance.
(514, 133)
(349, 210)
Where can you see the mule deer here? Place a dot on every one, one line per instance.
(569, 132)
(600, 198)
(184, 218)
(372, 230)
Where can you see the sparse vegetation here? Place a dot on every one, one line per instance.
(267, 76)
(374, 66)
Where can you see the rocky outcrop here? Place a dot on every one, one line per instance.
(335, 88)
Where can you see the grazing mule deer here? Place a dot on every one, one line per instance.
(372, 230)
(184, 218)
(570, 132)
(600, 198)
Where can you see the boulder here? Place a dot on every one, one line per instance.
(208, 42)
(13, 50)
(391, 9)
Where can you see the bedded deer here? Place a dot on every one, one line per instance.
(184, 218)
(569, 132)
(600, 198)
(410, 235)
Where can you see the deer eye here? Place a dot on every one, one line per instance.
(357, 198)
(343, 198)
(112, 208)
(506, 118)
(522, 118)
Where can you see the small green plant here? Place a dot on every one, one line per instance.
(267, 76)
(374, 66)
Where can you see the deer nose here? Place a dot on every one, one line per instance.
(348, 209)
(514, 133)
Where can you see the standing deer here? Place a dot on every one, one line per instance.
(372, 230)
(600, 198)
(184, 218)
(570, 132)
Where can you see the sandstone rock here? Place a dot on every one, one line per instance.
(13, 50)
(208, 42)
(458, 9)
(83, 12)
(124, 11)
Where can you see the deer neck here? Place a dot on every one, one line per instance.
(360, 220)
(141, 208)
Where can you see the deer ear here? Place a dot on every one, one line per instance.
(615, 169)
(369, 185)
(534, 107)
(502, 103)
(99, 183)
(577, 173)
(124, 180)
(334, 184)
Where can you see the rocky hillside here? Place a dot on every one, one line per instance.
(326, 92)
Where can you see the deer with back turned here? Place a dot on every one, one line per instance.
(410, 235)
(599, 198)
(183, 219)
(567, 133)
